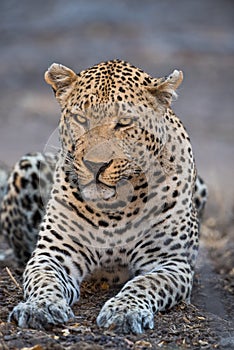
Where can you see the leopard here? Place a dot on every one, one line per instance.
(120, 202)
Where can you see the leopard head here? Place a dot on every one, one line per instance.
(112, 125)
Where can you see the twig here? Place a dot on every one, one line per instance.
(13, 279)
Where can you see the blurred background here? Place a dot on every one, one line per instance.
(157, 36)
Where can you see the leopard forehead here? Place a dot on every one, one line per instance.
(109, 89)
(109, 82)
(114, 77)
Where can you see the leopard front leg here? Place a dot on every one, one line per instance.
(51, 282)
(133, 308)
(48, 290)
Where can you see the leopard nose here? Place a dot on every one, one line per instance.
(94, 167)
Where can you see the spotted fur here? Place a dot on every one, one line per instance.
(123, 203)
(23, 205)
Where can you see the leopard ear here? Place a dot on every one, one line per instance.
(164, 89)
(61, 79)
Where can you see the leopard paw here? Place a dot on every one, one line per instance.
(40, 315)
(125, 316)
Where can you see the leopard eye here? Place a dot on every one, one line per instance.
(81, 119)
(123, 122)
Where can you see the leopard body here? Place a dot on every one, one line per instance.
(123, 205)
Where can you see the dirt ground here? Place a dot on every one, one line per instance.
(158, 36)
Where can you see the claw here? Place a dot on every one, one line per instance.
(33, 315)
(126, 319)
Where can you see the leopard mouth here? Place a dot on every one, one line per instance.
(103, 186)
(106, 192)
(96, 191)
(96, 187)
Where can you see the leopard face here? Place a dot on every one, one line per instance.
(116, 149)
(113, 131)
